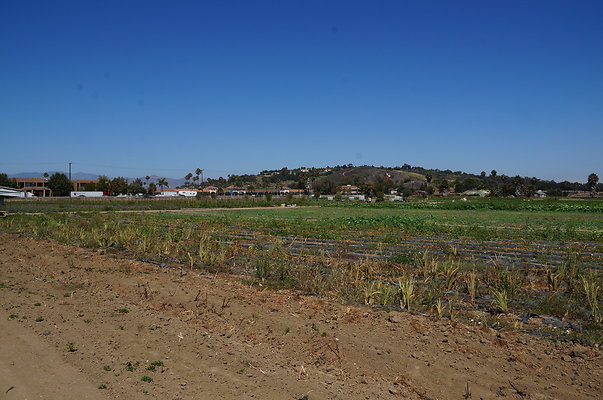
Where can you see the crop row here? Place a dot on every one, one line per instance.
(426, 274)
(501, 204)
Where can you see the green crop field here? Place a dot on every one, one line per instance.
(479, 224)
(499, 260)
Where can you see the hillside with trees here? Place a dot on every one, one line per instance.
(369, 180)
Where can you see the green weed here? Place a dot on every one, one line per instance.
(500, 300)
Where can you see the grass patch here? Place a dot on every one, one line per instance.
(154, 365)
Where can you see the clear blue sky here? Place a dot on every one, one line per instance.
(163, 87)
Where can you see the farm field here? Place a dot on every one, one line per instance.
(500, 269)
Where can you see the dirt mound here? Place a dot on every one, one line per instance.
(124, 329)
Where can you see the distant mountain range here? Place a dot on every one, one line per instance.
(76, 175)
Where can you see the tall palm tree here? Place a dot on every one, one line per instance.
(198, 172)
(187, 178)
(162, 182)
(593, 179)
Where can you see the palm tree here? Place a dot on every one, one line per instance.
(147, 179)
(163, 182)
(593, 179)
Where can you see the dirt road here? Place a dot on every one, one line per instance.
(81, 324)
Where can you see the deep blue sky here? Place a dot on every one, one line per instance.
(163, 87)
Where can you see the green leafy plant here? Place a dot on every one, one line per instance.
(450, 273)
(554, 277)
(263, 269)
(154, 365)
(387, 294)
(371, 293)
(500, 300)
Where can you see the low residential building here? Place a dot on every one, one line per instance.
(210, 190)
(479, 193)
(35, 186)
(235, 191)
(80, 185)
(349, 189)
(284, 191)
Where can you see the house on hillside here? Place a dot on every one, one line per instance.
(349, 189)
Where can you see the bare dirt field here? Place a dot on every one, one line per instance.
(86, 324)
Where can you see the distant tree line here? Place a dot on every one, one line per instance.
(323, 181)
(120, 185)
(7, 182)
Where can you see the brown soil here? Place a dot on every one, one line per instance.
(219, 338)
